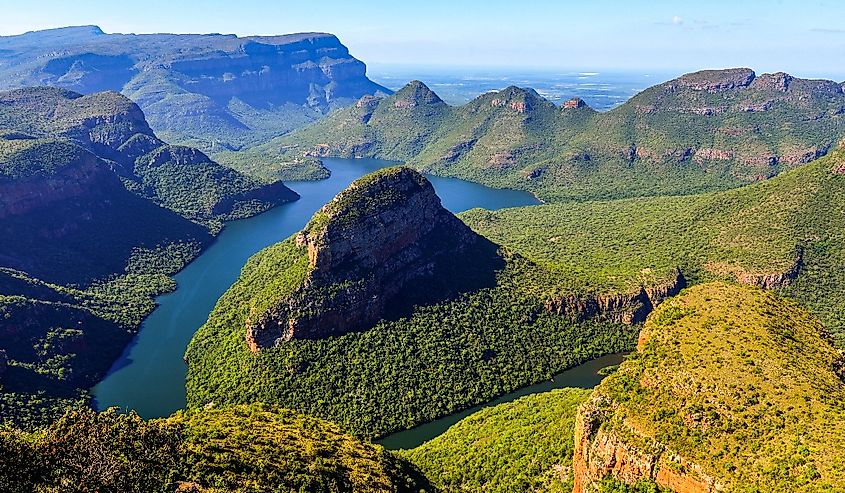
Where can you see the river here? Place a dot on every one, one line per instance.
(149, 377)
(585, 376)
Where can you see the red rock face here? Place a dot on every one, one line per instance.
(599, 453)
(574, 103)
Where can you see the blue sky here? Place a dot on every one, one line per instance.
(802, 37)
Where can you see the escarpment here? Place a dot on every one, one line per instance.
(220, 92)
(381, 246)
(726, 381)
(626, 308)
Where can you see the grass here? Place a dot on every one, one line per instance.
(525, 445)
(738, 381)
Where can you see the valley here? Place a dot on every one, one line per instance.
(149, 377)
(239, 263)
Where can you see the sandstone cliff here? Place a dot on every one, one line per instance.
(627, 308)
(727, 381)
(382, 245)
(217, 91)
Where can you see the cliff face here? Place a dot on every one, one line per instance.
(372, 252)
(726, 381)
(242, 88)
(627, 308)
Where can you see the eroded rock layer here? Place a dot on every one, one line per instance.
(382, 245)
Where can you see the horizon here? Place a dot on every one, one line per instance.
(662, 36)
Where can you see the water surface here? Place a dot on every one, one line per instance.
(149, 377)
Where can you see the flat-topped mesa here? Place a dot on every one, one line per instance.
(716, 80)
(381, 246)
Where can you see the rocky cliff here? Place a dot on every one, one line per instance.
(726, 382)
(218, 91)
(380, 246)
(627, 308)
(114, 128)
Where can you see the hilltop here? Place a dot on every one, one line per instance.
(386, 311)
(730, 389)
(213, 91)
(705, 131)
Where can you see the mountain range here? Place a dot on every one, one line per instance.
(704, 131)
(697, 227)
(211, 91)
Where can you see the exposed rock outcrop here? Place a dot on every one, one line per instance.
(378, 248)
(774, 280)
(629, 308)
(599, 454)
(574, 103)
(716, 80)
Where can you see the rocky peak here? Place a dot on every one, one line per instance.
(414, 94)
(773, 82)
(517, 99)
(574, 103)
(715, 80)
(381, 246)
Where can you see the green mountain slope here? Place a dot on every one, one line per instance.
(393, 357)
(784, 233)
(704, 131)
(115, 129)
(95, 213)
(731, 389)
(233, 450)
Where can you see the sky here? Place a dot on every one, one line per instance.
(805, 38)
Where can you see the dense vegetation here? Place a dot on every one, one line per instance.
(525, 445)
(244, 449)
(762, 234)
(443, 357)
(95, 214)
(680, 137)
(737, 381)
(112, 127)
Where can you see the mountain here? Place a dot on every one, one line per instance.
(236, 449)
(212, 91)
(114, 128)
(381, 246)
(386, 312)
(731, 389)
(784, 234)
(704, 131)
(96, 213)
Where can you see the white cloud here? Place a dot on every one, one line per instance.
(677, 20)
